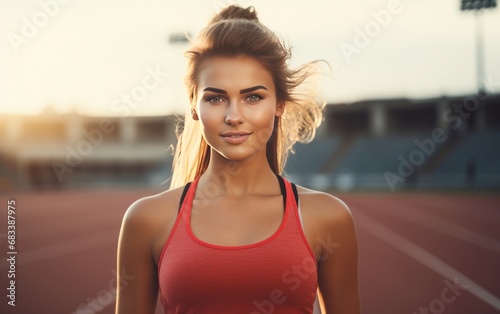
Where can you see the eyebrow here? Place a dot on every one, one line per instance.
(243, 91)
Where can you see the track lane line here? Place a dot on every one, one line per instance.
(422, 256)
(445, 227)
(67, 247)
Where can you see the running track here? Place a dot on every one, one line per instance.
(413, 248)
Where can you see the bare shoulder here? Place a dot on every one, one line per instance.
(328, 222)
(150, 208)
(323, 206)
(148, 217)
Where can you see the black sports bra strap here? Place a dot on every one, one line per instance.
(295, 193)
(186, 188)
(283, 190)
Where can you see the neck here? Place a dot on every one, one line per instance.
(236, 178)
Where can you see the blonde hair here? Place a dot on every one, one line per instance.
(236, 31)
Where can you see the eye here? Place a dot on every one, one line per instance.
(254, 98)
(214, 99)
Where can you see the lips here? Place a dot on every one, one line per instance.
(235, 137)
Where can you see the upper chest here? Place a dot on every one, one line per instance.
(236, 221)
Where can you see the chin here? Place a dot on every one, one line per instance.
(237, 154)
(238, 157)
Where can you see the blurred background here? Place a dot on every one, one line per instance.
(91, 92)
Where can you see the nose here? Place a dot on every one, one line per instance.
(233, 114)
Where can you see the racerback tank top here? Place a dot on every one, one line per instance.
(276, 275)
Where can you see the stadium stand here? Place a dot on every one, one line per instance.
(372, 157)
(474, 163)
(382, 152)
(364, 165)
(312, 157)
(307, 164)
(389, 153)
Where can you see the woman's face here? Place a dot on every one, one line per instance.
(236, 106)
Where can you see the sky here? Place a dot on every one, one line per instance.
(114, 58)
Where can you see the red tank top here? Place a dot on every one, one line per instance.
(275, 275)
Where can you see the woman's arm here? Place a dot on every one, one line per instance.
(137, 284)
(338, 262)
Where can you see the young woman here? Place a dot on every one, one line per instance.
(231, 235)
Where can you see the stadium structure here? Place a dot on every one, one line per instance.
(382, 144)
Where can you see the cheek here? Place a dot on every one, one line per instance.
(262, 115)
(263, 122)
(210, 116)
